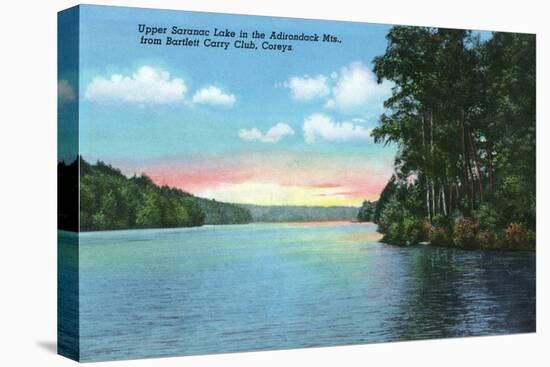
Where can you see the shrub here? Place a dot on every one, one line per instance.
(366, 212)
(439, 236)
(487, 239)
(464, 232)
(426, 228)
(515, 201)
(391, 221)
(517, 236)
(394, 234)
(441, 221)
(399, 225)
(487, 227)
(486, 218)
(439, 230)
(414, 229)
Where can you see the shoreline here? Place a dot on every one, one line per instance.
(216, 225)
(464, 248)
(351, 222)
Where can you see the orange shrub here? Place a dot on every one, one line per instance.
(464, 232)
(518, 236)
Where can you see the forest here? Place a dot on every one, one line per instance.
(462, 114)
(110, 200)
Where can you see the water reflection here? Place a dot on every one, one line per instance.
(458, 293)
(268, 286)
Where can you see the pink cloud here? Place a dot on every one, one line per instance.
(325, 185)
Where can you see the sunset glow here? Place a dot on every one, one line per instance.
(272, 178)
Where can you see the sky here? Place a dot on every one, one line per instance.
(238, 125)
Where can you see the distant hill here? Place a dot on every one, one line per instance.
(217, 212)
(284, 213)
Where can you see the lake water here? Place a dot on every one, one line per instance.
(213, 289)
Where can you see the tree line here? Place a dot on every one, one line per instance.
(367, 211)
(300, 213)
(110, 200)
(462, 113)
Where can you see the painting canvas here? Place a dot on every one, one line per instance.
(235, 183)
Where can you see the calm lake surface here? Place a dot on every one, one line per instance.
(267, 286)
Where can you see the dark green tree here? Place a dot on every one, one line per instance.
(462, 113)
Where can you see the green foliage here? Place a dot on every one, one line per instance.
(486, 218)
(515, 201)
(489, 232)
(440, 232)
(149, 212)
(223, 213)
(367, 212)
(387, 193)
(390, 220)
(415, 229)
(399, 225)
(110, 200)
(462, 115)
(439, 236)
(441, 221)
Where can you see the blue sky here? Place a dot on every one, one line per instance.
(109, 45)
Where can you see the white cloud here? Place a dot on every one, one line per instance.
(65, 92)
(273, 135)
(356, 86)
(148, 85)
(323, 127)
(213, 96)
(306, 88)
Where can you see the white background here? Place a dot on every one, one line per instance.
(28, 183)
